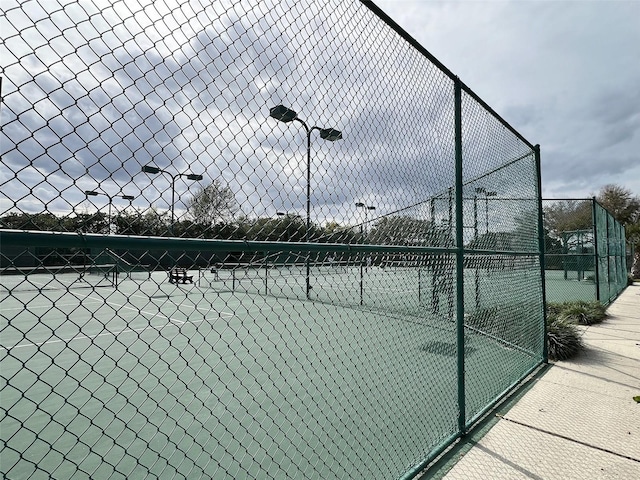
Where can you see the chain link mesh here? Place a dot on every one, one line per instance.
(232, 247)
(585, 257)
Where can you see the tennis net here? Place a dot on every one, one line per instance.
(67, 277)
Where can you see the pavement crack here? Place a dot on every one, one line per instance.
(564, 437)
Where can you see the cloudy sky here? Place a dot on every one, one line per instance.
(565, 74)
(93, 90)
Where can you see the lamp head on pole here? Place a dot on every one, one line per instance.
(360, 205)
(194, 176)
(282, 113)
(128, 197)
(150, 169)
(330, 134)
(371, 208)
(91, 193)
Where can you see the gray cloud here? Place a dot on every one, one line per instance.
(198, 99)
(565, 74)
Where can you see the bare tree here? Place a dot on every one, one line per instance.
(620, 202)
(568, 215)
(212, 203)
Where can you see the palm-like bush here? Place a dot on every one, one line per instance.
(563, 335)
(563, 339)
(554, 309)
(581, 312)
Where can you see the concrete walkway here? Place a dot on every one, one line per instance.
(579, 420)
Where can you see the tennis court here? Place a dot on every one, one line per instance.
(560, 289)
(186, 376)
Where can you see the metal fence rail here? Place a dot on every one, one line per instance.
(252, 240)
(585, 253)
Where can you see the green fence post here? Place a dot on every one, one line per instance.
(608, 245)
(541, 248)
(595, 247)
(459, 258)
(623, 241)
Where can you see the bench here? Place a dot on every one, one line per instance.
(179, 275)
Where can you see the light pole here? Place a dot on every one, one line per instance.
(367, 208)
(486, 206)
(286, 115)
(190, 176)
(475, 212)
(487, 194)
(94, 193)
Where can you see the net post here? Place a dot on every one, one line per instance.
(459, 258)
(266, 273)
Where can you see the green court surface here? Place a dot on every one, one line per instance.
(210, 382)
(559, 289)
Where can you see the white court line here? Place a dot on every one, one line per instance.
(89, 337)
(219, 312)
(170, 322)
(53, 304)
(152, 314)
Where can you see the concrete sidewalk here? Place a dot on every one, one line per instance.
(579, 420)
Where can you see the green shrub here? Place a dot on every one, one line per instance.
(563, 339)
(584, 313)
(554, 309)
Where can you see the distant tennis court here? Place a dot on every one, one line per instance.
(560, 289)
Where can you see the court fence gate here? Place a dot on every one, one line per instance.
(270, 239)
(585, 251)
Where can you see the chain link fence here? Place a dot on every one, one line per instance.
(252, 240)
(585, 257)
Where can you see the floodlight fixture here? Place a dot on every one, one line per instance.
(151, 169)
(330, 134)
(282, 113)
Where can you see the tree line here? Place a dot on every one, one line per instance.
(213, 214)
(565, 216)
